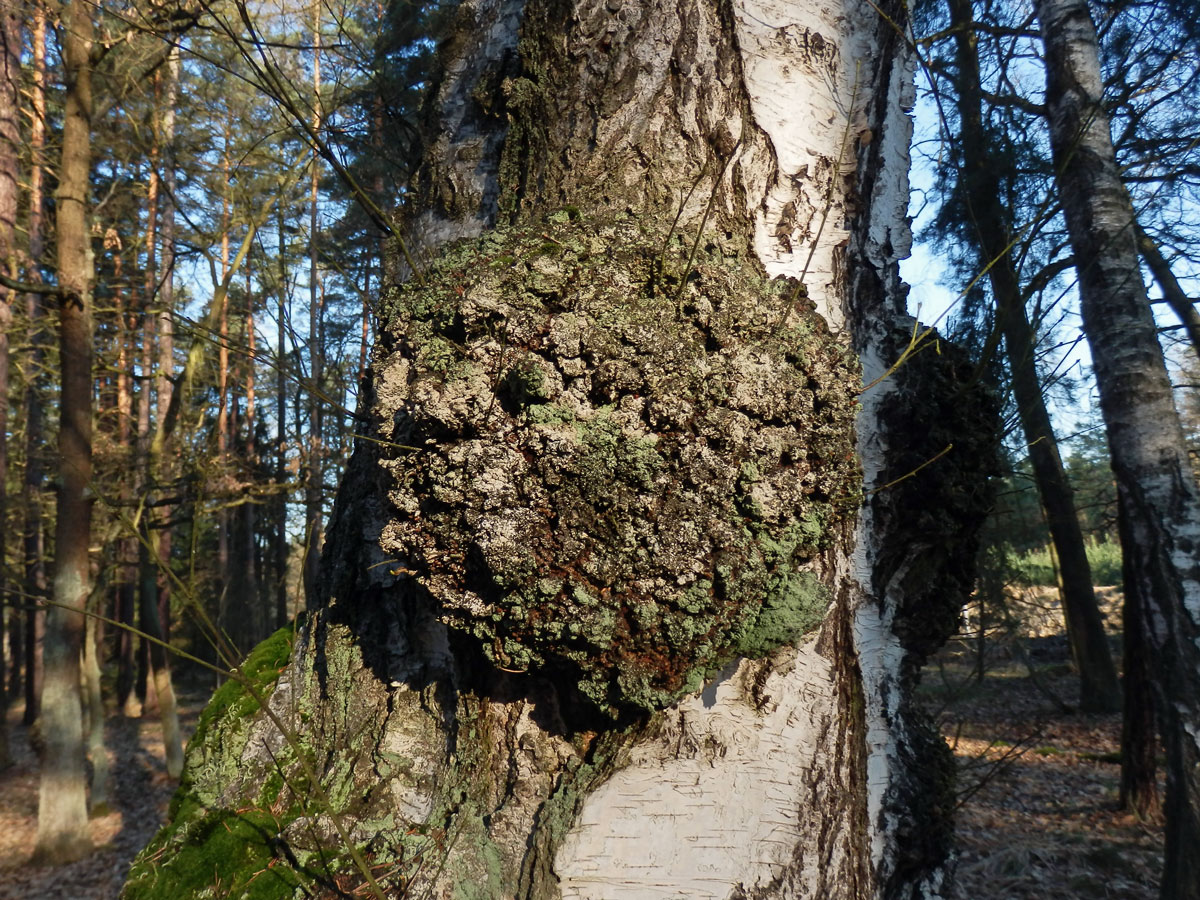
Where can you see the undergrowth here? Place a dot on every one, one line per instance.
(1036, 568)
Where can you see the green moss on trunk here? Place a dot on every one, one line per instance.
(208, 850)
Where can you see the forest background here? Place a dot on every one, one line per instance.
(244, 167)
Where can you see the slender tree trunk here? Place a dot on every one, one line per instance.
(125, 601)
(314, 480)
(279, 539)
(16, 653)
(62, 802)
(993, 235)
(227, 601)
(31, 491)
(248, 564)
(1181, 304)
(139, 702)
(597, 727)
(10, 133)
(94, 705)
(165, 464)
(1155, 484)
(156, 588)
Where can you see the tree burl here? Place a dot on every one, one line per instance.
(615, 455)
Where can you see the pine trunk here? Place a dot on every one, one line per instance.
(31, 489)
(279, 538)
(625, 626)
(125, 598)
(10, 133)
(1156, 488)
(62, 801)
(991, 227)
(1181, 304)
(248, 544)
(314, 479)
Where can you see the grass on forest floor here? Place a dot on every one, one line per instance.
(1037, 782)
(1036, 568)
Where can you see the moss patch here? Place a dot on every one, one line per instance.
(626, 461)
(219, 853)
(207, 850)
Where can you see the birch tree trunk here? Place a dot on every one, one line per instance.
(623, 624)
(1160, 503)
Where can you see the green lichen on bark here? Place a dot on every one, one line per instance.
(625, 463)
(224, 725)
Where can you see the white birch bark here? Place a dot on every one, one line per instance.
(796, 775)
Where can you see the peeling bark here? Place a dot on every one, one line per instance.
(603, 182)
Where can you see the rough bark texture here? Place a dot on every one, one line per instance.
(1139, 737)
(993, 235)
(602, 610)
(62, 802)
(5, 324)
(1155, 484)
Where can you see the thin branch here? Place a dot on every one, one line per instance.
(26, 287)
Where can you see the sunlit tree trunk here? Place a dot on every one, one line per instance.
(135, 703)
(166, 465)
(279, 540)
(642, 153)
(10, 132)
(227, 600)
(248, 565)
(94, 731)
(993, 235)
(1157, 491)
(314, 478)
(62, 803)
(31, 490)
(125, 599)
(155, 467)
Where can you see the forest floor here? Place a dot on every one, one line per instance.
(1037, 786)
(1037, 783)
(141, 792)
